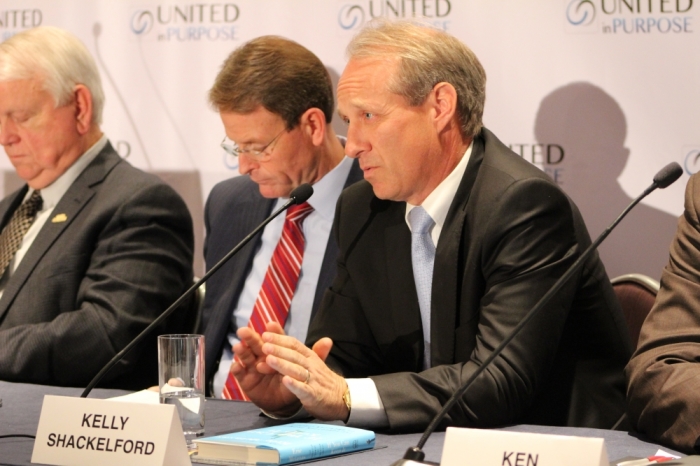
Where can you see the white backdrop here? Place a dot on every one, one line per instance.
(598, 93)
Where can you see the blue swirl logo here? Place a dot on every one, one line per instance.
(580, 12)
(142, 22)
(692, 162)
(230, 161)
(351, 16)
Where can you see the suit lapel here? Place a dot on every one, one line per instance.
(447, 276)
(261, 208)
(71, 204)
(10, 204)
(331, 255)
(257, 208)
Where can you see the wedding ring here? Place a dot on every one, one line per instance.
(308, 376)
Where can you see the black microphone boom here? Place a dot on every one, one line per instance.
(665, 177)
(298, 195)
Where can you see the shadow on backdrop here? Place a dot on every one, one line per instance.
(341, 129)
(591, 127)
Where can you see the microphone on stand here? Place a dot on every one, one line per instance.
(414, 455)
(298, 195)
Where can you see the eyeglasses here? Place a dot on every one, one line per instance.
(259, 154)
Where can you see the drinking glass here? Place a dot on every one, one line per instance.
(181, 380)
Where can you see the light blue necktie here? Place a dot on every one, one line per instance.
(423, 258)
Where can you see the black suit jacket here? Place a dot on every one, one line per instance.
(234, 208)
(510, 233)
(88, 285)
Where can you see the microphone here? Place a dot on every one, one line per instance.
(303, 192)
(414, 455)
(299, 195)
(668, 175)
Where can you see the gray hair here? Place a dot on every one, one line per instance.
(427, 57)
(56, 57)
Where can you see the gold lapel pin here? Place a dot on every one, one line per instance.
(59, 218)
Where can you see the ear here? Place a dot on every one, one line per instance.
(444, 101)
(83, 108)
(313, 124)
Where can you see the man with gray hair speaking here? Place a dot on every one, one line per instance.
(448, 243)
(91, 249)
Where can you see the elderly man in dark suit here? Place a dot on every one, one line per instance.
(91, 249)
(275, 99)
(444, 248)
(664, 373)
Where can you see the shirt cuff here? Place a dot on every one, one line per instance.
(367, 409)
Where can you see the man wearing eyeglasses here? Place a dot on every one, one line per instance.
(275, 99)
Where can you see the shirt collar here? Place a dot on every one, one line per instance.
(438, 202)
(55, 191)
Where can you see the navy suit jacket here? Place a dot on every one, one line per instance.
(234, 208)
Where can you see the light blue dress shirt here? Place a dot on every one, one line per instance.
(317, 228)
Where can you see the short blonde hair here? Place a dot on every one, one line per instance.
(58, 58)
(427, 57)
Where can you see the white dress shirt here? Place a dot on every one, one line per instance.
(50, 196)
(367, 407)
(317, 229)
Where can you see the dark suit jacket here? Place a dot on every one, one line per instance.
(510, 233)
(234, 208)
(88, 285)
(664, 374)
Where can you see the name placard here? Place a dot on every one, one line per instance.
(86, 432)
(499, 448)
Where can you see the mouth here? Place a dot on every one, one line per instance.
(369, 173)
(261, 181)
(14, 157)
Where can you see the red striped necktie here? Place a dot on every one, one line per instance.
(278, 286)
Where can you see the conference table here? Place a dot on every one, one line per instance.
(21, 406)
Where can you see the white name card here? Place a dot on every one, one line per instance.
(499, 448)
(86, 432)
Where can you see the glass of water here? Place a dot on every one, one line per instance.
(181, 380)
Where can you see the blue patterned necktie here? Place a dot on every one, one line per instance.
(423, 259)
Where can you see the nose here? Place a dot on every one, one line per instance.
(8, 132)
(355, 144)
(246, 164)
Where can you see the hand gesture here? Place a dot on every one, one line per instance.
(262, 384)
(303, 372)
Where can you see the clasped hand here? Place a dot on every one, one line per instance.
(280, 374)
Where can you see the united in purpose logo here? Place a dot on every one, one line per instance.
(436, 12)
(14, 21)
(646, 17)
(193, 22)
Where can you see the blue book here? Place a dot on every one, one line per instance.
(284, 444)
